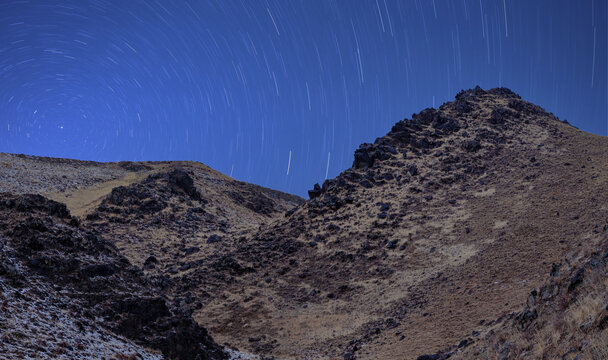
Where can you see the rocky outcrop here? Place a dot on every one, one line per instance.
(43, 247)
(570, 305)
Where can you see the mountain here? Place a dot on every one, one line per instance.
(67, 289)
(440, 226)
(68, 293)
(457, 234)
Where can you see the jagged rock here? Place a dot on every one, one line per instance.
(315, 192)
(501, 115)
(403, 131)
(471, 145)
(182, 181)
(426, 116)
(150, 262)
(366, 184)
(97, 270)
(413, 170)
(213, 239)
(445, 124)
(32, 202)
(192, 250)
(93, 278)
(463, 106)
(363, 159)
(576, 280)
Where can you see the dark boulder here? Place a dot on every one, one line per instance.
(366, 184)
(447, 125)
(413, 170)
(316, 191)
(180, 180)
(402, 131)
(30, 202)
(427, 116)
(423, 143)
(478, 91)
(526, 317)
(192, 250)
(502, 115)
(152, 205)
(470, 94)
(576, 280)
(213, 239)
(95, 270)
(137, 312)
(364, 156)
(117, 195)
(471, 145)
(462, 106)
(150, 262)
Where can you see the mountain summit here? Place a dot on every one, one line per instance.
(427, 247)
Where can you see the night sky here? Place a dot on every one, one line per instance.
(278, 93)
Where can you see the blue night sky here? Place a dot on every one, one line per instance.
(278, 93)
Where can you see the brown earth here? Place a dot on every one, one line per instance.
(378, 266)
(566, 318)
(433, 239)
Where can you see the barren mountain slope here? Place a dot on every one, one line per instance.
(445, 223)
(165, 219)
(142, 206)
(440, 229)
(46, 255)
(566, 318)
(67, 293)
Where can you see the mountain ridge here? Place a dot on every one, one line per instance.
(440, 227)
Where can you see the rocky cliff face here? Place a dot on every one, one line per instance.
(78, 290)
(68, 273)
(429, 246)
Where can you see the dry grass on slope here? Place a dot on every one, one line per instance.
(567, 318)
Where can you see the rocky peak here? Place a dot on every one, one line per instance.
(477, 119)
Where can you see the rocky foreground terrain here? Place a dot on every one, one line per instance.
(478, 230)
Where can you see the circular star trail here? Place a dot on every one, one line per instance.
(278, 93)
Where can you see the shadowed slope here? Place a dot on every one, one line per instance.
(85, 299)
(445, 222)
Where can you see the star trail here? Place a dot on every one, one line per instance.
(278, 93)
